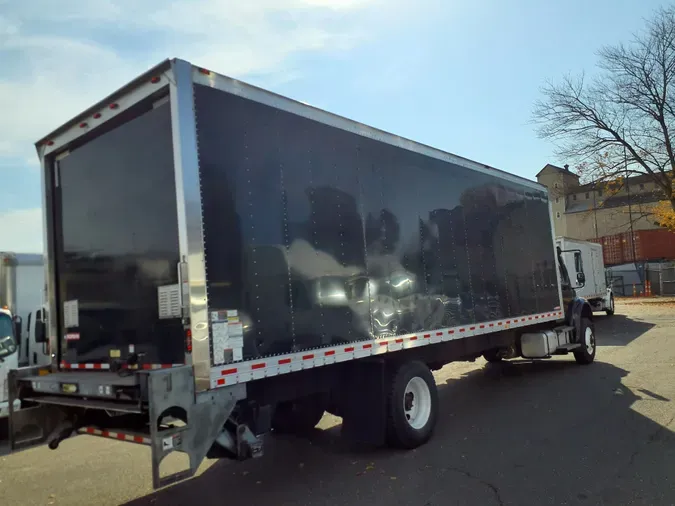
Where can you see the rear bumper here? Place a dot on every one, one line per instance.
(4, 408)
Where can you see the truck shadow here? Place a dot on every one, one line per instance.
(619, 329)
(510, 428)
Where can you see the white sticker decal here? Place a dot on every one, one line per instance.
(71, 317)
(73, 336)
(167, 443)
(220, 339)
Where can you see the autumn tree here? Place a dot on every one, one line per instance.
(620, 122)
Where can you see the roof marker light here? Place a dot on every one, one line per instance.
(155, 80)
(204, 71)
(114, 106)
(50, 143)
(83, 125)
(97, 115)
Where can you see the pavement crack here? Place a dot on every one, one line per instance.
(483, 482)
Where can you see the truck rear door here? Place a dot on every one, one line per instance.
(116, 239)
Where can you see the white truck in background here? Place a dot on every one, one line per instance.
(30, 288)
(23, 340)
(586, 265)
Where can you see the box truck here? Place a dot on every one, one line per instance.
(224, 262)
(587, 267)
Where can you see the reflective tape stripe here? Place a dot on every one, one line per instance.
(242, 372)
(119, 436)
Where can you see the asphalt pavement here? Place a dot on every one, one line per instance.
(520, 433)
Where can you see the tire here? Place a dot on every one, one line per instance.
(586, 354)
(610, 309)
(412, 406)
(299, 416)
(492, 356)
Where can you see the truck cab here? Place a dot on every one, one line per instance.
(9, 357)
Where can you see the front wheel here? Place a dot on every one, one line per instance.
(412, 406)
(586, 354)
(610, 309)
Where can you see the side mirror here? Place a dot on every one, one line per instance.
(18, 328)
(581, 278)
(40, 331)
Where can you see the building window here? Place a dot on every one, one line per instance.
(642, 186)
(557, 215)
(574, 197)
(555, 185)
(557, 200)
(587, 195)
(600, 193)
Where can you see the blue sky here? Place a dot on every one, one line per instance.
(458, 75)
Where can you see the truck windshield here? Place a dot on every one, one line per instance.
(7, 342)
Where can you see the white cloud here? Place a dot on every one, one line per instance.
(56, 73)
(21, 231)
(57, 61)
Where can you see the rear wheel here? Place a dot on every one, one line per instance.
(299, 416)
(586, 354)
(412, 406)
(610, 309)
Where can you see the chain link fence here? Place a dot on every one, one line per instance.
(661, 278)
(634, 279)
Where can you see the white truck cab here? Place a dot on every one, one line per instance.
(585, 265)
(9, 357)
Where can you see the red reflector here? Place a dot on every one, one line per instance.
(258, 366)
(426, 336)
(188, 340)
(221, 381)
(83, 125)
(413, 338)
(113, 106)
(366, 346)
(121, 436)
(329, 353)
(399, 341)
(97, 115)
(50, 143)
(351, 348)
(439, 333)
(284, 361)
(225, 372)
(154, 80)
(138, 439)
(307, 357)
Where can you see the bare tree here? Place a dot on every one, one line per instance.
(621, 122)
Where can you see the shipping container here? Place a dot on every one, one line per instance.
(638, 246)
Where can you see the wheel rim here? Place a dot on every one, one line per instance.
(589, 340)
(417, 403)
